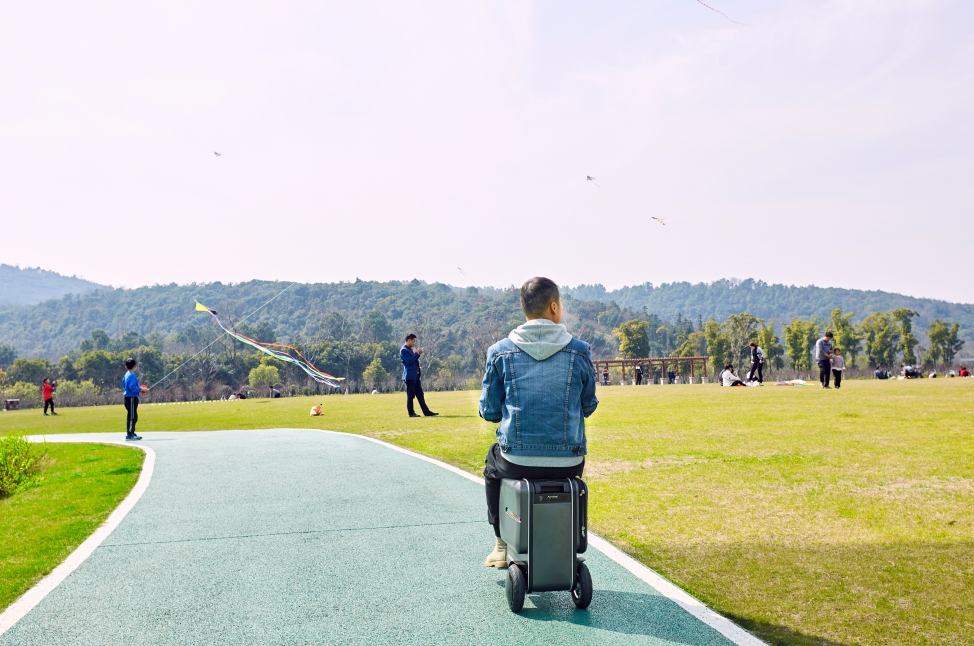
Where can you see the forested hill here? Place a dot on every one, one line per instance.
(722, 298)
(34, 285)
(54, 327)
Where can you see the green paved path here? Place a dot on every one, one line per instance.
(302, 537)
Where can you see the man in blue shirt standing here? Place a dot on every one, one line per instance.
(411, 373)
(130, 384)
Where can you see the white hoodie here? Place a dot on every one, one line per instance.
(540, 338)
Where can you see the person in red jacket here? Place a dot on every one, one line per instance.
(48, 390)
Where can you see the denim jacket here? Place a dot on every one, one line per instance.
(541, 405)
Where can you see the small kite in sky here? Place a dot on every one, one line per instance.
(660, 220)
(218, 155)
(462, 271)
(723, 14)
(269, 348)
(589, 178)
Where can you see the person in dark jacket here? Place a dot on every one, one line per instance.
(48, 390)
(639, 375)
(411, 374)
(757, 363)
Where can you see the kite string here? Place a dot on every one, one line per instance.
(722, 13)
(225, 333)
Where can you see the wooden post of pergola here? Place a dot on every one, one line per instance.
(648, 363)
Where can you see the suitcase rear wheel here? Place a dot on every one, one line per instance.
(515, 587)
(582, 592)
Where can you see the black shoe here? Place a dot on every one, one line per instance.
(430, 414)
(132, 437)
(53, 413)
(414, 415)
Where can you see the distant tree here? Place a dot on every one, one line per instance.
(264, 376)
(718, 346)
(846, 336)
(66, 369)
(800, 337)
(375, 328)
(740, 330)
(692, 346)
(8, 354)
(105, 369)
(771, 344)
(32, 371)
(944, 344)
(633, 341)
(907, 341)
(375, 374)
(99, 341)
(880, 337)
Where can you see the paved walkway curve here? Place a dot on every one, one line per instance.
(302, 537)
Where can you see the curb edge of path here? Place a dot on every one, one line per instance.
(674, 593)
(19, 608)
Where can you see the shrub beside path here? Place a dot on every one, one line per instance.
(290, 536)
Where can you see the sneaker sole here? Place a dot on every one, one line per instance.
(500, 565)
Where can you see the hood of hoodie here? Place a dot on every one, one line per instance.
(540, 338)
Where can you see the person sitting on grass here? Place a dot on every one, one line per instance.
(539, 383)
(730, 379)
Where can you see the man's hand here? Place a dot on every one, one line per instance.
(419, 351)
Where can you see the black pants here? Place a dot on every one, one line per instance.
(759, 369)
(837, 375)
(414, 388)
(496, 468)
(824, 371)
(639, 378)
(132, 414)
(48, 402)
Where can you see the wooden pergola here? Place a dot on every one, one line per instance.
(649, 362)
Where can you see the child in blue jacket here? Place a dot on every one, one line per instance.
(130, 384)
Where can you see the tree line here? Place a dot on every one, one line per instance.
(455, 329)
(881, 340)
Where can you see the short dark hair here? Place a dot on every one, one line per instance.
(829, 334)
(46, 379)
(753, 344)
(130, 363)
(537, 294)
(410, 336)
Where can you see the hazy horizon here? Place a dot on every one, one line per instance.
(487, 286)
(826, 143)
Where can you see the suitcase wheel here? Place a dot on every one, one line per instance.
(515, 587)
(582, 592)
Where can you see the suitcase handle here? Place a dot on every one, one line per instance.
(550, 486)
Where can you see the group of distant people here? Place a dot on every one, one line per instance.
(830, 361)
(755, 376)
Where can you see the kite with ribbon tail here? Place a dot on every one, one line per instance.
(269, 348)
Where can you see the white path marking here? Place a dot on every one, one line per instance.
(721, 624)
(32, 597)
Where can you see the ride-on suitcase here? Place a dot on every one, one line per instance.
(544, 523)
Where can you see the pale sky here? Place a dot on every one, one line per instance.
(827, 143)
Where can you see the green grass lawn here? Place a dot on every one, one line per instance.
(80, 485)
(808, 516)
